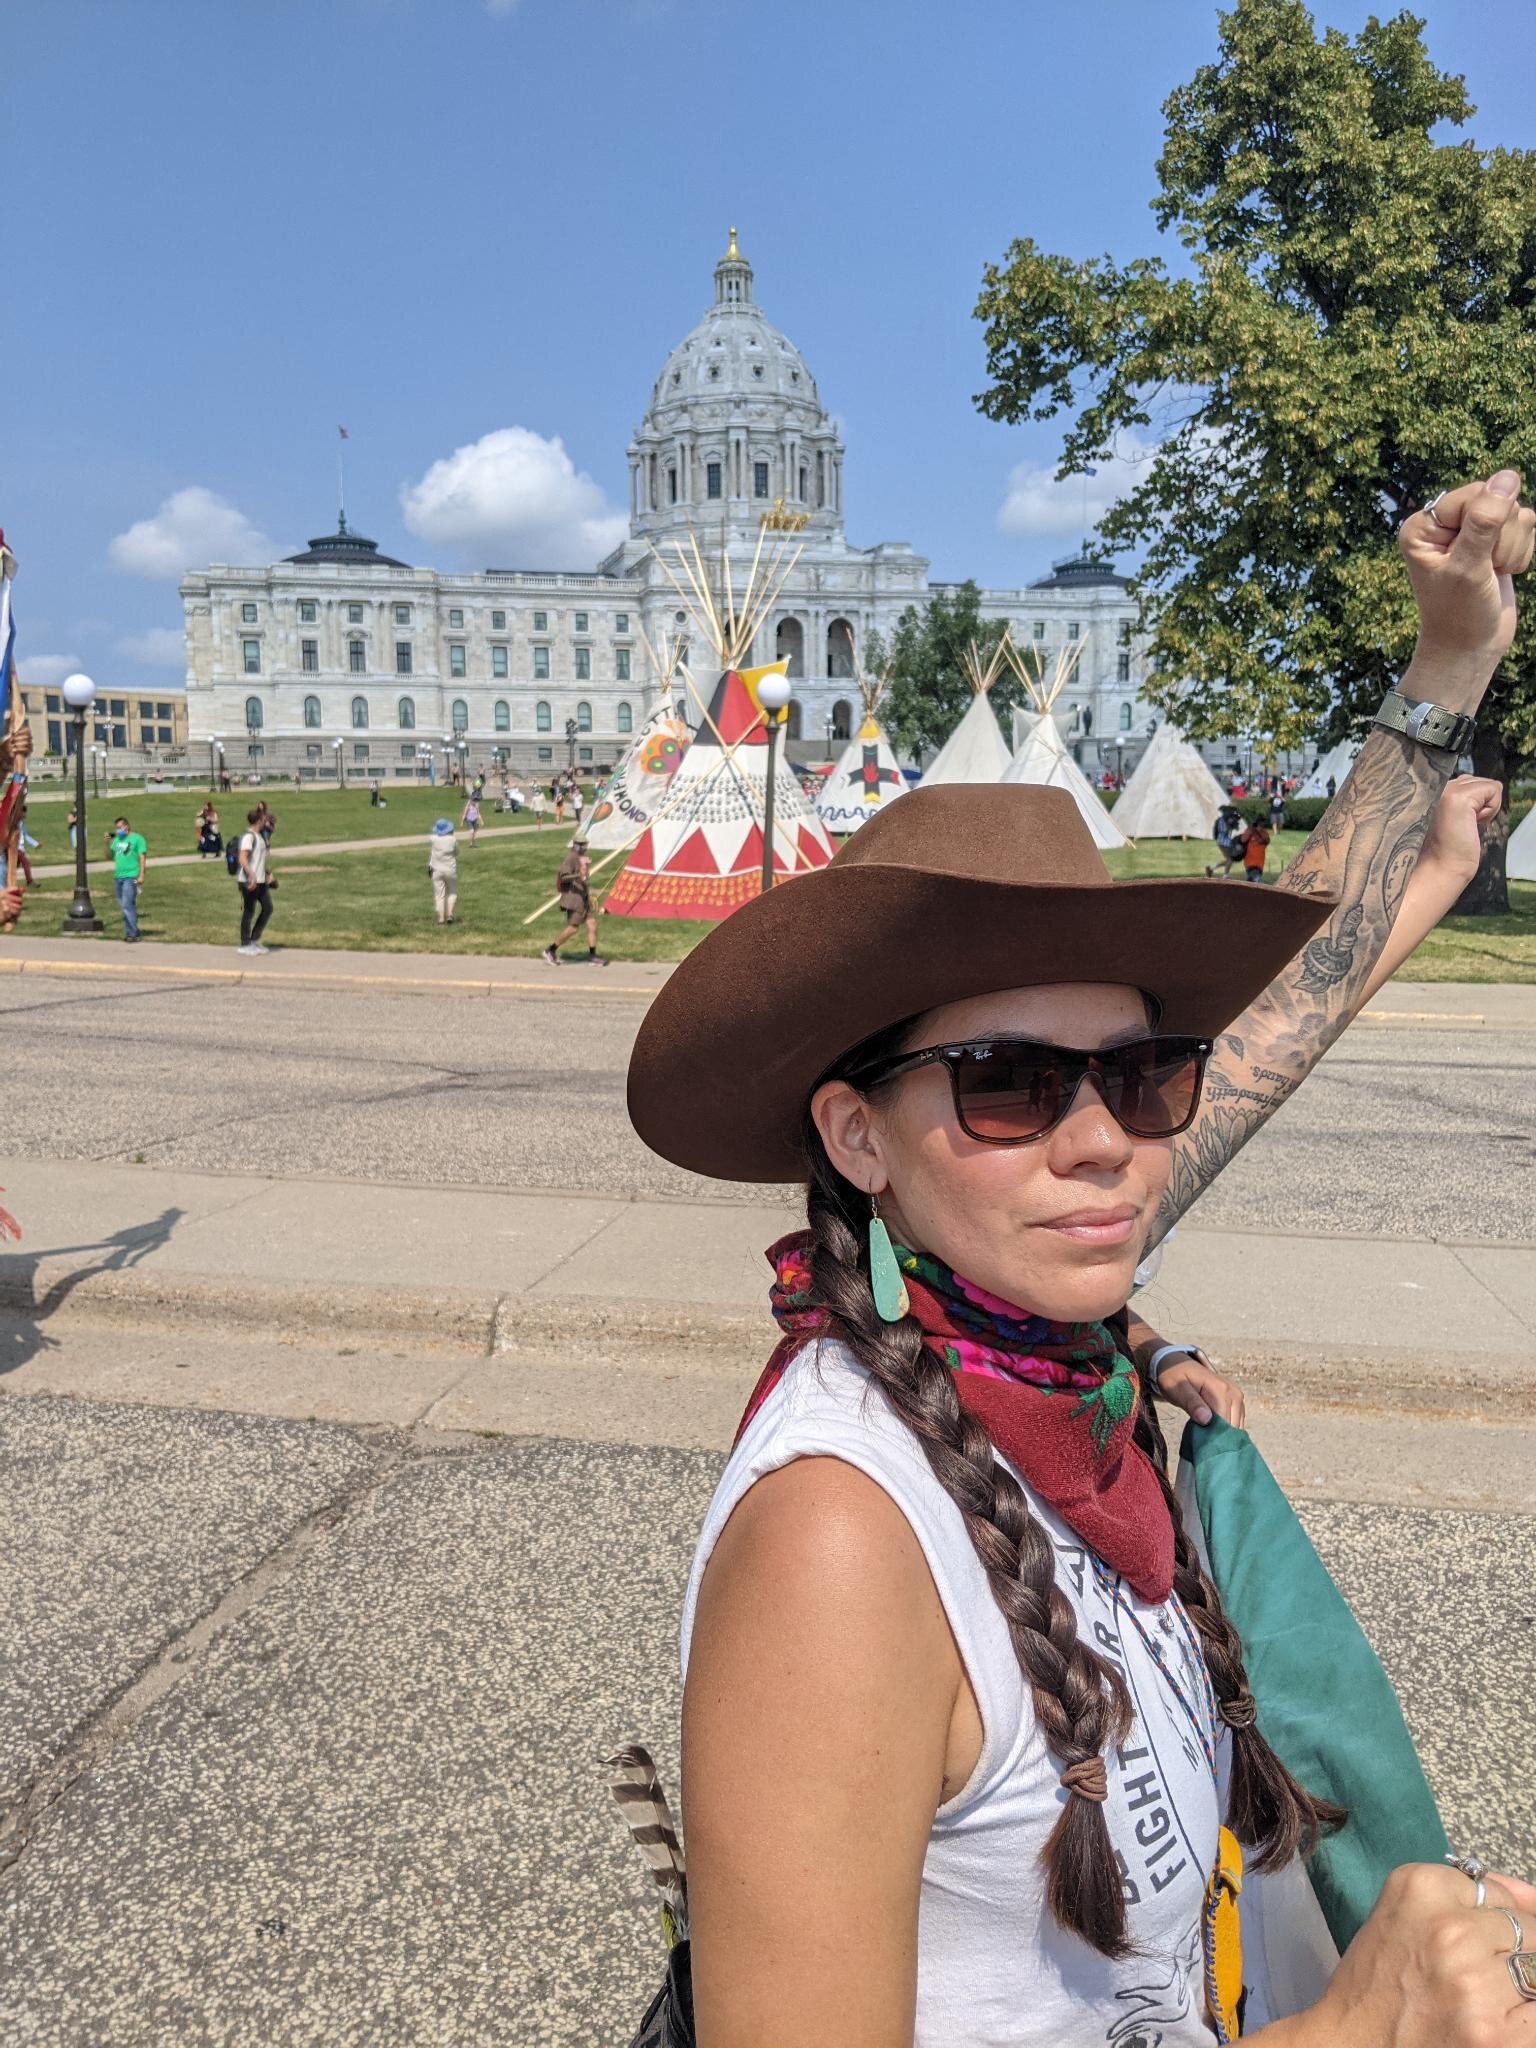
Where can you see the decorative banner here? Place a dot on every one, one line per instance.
(627, 801)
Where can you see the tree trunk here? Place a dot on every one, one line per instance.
(1487, 894)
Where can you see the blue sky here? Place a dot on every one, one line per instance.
(233, 226)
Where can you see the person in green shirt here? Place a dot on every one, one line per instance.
(127, 849)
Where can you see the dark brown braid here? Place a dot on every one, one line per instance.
(1080, 1700)
(1267, 1810)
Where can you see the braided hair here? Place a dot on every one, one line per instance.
(1080, 1699)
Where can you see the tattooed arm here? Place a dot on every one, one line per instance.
(1363, 851)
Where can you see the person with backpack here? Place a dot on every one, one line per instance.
(1228, 834)
(574, 889)
(246, 859)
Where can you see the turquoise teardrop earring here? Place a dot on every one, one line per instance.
(890, 1290)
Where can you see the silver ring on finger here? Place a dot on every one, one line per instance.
(1430, 512)
(1522, 1971)
(1515, 1928)
(1470, 1866)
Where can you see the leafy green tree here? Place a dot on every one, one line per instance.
(930, 689)
(1353, 327)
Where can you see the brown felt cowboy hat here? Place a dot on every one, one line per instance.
(951, 892)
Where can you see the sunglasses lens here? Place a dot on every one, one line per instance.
(1008, 1092)
(1152, 1089)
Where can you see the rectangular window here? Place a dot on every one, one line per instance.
(312, 752)
(251, 650)
(402, 657)
(621, 622)
(711, 479)
(306, 612)
(53, 702)
(402, 615)
(407, 753)
(119, 707)
(55, 736)
(583, 753)
(671, 486)
(1125, 632)
(541, 664)
(803, 474)
(456, 662)
(498, 622)
(119, 735)
(546, 753)
(354, 615)
(621, 664)
(583, 664)
(248, 614)
(1073, 629)
(1122, 668)
(256, 750)
(456, 619)
(498, 661)
(360, 750)
(309, 657)
(162, 711)
(541, 622)
(759, 479)
(579, 624)
(1038, 629)
(357, 659)
(166, 735)
(146, 735)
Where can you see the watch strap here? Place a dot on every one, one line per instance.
(1431, 725)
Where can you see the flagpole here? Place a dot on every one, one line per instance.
(341, 476)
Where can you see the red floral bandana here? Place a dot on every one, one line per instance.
(1057, 1399)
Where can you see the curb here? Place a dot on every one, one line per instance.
(394, 983)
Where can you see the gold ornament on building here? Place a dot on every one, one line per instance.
(779, 519)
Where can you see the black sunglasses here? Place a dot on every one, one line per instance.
(1010, 1090)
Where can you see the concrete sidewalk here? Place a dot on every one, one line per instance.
(64, 870)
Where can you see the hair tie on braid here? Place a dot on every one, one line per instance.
(1087, 1779)
(1239, 1711)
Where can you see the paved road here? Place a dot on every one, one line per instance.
(366, 1806)
(1412, 1131)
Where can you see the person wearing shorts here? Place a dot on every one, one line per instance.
(575, 892)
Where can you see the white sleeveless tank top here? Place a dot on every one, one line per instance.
(994, 1969)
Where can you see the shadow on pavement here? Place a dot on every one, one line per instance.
(25, 1338)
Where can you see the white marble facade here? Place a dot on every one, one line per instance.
(343, 644)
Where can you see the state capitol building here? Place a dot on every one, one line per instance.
(343, 650)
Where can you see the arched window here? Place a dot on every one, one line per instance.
(789, 641)
(583, 716)
(840, 649)
(503, 715)
(842, 720)
(253, 714)
(542, 722)
(1125, 717)
(626, 719)
(312, 712)
(460, 715)
(359, 714)
(407, 714)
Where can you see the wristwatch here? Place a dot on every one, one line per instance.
(1448, 732)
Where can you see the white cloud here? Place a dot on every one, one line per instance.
(192, 528)
(1037, 504)
(519, 500)
(45, 671)
(160, 647)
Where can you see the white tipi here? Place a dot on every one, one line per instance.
(1520, 853)
(1172, 794)
(868, 777)
(976, 750)
(1042, 758)
(629, 798)
(701, 854)
(1331, 767)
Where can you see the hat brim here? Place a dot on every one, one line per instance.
(744, 1028)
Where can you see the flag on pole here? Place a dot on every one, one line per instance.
(7, 629)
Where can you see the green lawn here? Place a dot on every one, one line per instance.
(382, 901)
(305, 817)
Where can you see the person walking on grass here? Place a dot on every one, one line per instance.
(574, 887)
(538, 804)
(254, 880)
(578, 803)
(443, 867)
(1228, 835)
(1255, 845)
(557, 791)
(373, 794)
(1276, 809)
(471, 817)
(128, 852)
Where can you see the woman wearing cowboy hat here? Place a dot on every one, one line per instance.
(963, 1719)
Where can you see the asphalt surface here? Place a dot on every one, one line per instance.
(1416, 1132)
(371, 1809)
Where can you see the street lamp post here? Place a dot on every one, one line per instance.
(79, 693)
(341, 764)
(773, 693)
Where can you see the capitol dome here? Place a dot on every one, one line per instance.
(735, 424)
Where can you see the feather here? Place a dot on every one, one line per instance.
(648, 1817)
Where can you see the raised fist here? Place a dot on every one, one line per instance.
(1461, 557)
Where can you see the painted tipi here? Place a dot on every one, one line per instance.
(633, 793)
(701, 854)
(1172, 794)
(1042, 758)
(976, 750)
(867, 778)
